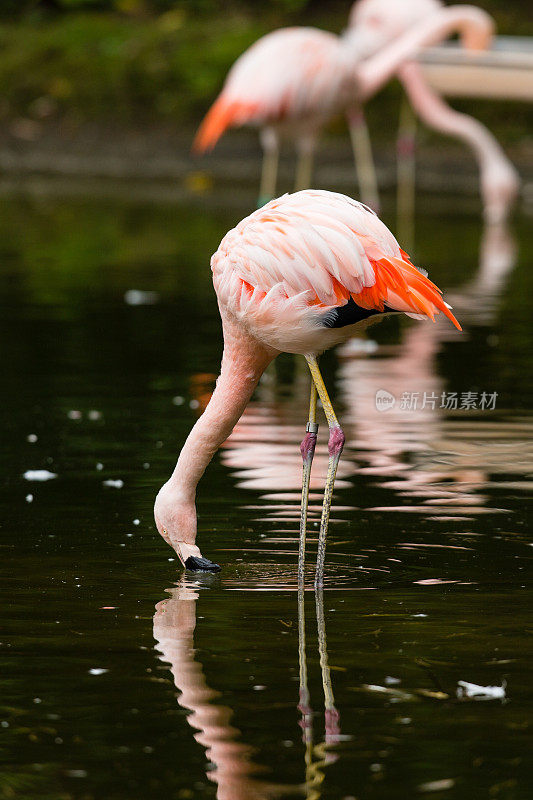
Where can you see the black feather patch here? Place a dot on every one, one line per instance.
(349, 314)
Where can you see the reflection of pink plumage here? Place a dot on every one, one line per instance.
(292, 81)
(295, 276)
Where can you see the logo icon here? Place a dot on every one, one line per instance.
(384, 400)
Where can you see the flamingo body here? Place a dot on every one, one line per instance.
(300, 272)
(291, 78)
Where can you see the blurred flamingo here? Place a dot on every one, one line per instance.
(373, 26)
(292, 81)
(296, 276)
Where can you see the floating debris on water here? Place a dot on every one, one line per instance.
(39, 475)
(74, 414)
(114, 484)
(437, 786)
(473, 691)
(398, 694)
(29, 498)
(137, 297)
(97, 671)
(32, 438)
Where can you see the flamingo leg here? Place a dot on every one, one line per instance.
(335, 446)
(304, 167)
(364, 160)
(307, 449)
(269, 171)
(406, 174)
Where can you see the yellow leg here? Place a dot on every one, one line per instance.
(335, 445)
(307, 449)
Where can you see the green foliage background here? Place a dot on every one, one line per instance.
(163, 61)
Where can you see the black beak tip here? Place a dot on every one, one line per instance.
(195, 564)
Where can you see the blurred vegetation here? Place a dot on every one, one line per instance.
(158, 61)
(512, 8)
(93, 65)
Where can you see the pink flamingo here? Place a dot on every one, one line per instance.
(295, 276)
(292, 81)
(374, 24)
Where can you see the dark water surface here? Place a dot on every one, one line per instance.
(123, 679)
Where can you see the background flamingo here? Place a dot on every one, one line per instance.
(292, 81)
(374, 24)
(296, 276)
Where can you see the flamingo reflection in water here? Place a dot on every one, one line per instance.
(235, 773)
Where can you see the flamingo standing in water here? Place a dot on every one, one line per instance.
(295, 276)
(373, 26)
(292, 81)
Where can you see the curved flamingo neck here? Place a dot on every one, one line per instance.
(434, 111)
(474, 26)
(243, 362)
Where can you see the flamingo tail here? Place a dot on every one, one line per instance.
(222, 115)
(399, 280)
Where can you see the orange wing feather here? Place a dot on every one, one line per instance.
(222, 115)
(399, 276)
